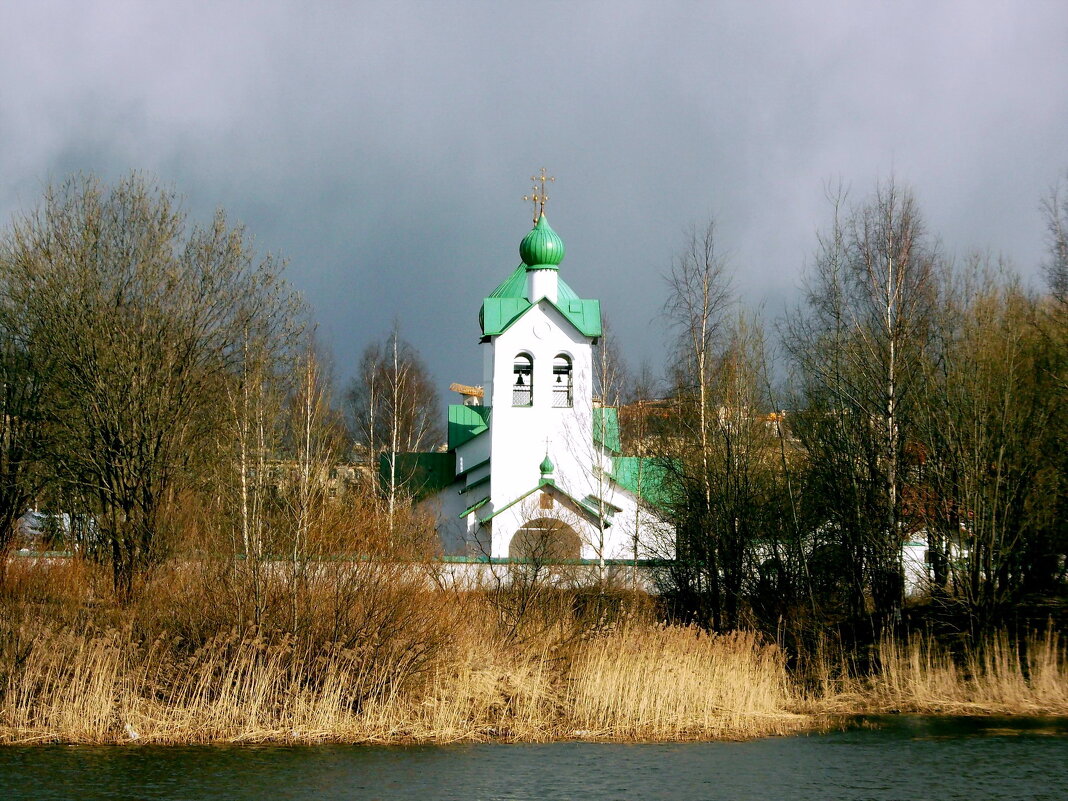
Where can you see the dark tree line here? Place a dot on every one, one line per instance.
(922, 402)
(156, 372)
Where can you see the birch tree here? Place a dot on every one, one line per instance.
(610, 377)
(700, 298)
(394, 409)
(314, 439)
(858, 346)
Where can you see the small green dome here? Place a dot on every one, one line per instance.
(546, 466)
(542, 248)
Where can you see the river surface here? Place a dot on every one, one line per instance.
(907, 758)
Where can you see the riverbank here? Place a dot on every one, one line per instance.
(644, 683)
(922, 676)
(638, 683)
(396, 662)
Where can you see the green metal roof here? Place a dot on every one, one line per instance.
(472, 468)
(606, 428)
(542, 248)
(484, 480)
(473, 507)
(545, 482)
(647, 477)
(594, 502)
(508, 302)
(466, 423)
(514, 286)
(421, 474)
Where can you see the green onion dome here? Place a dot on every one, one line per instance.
(546, 466)
(542, 248)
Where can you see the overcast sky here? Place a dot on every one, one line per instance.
(383, 149)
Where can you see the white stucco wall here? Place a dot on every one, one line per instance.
(473, 453)
(520, 436)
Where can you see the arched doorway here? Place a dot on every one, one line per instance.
(545, 539)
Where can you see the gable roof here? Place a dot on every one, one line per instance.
(544, 484)
(466, 423)
(508, 302)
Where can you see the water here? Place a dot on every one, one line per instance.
(913, 759)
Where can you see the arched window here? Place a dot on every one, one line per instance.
(523, 383)
(562, 394)
(545, 540)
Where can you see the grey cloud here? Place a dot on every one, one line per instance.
(384, 148)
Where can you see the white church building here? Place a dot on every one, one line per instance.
(534, 467)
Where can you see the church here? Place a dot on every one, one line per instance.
(534, 468)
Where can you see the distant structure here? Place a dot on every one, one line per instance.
(534, 467)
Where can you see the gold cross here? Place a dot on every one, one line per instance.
(537, 197)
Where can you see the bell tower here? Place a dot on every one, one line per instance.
(531, 460)
(538, 337)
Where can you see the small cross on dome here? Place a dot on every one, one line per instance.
(538, 197)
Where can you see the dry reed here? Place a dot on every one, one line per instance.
(378, 657)
(922, 676)
(646, 682)
(678, 682)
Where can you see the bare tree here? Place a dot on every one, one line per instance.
(610, 373)
(858, 349)
(23, 428)
(315, 438)
(988, 418)
(1055, 208)
(610, 379)
(142, 317)
(394, 409)
(638, 436)
(700, 299)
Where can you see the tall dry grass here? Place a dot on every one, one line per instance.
(639, 682)
(665, 682)
(371, 652)
(920, 675)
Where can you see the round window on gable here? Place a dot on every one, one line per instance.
(562, 382)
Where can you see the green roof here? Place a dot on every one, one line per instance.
(484, 480)
(595, 503)
(421, 474)
(508, 302)
(466, 423)
(606, 428)
(543, 483)
(647, 477)
(514, 286)
(473, 507)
